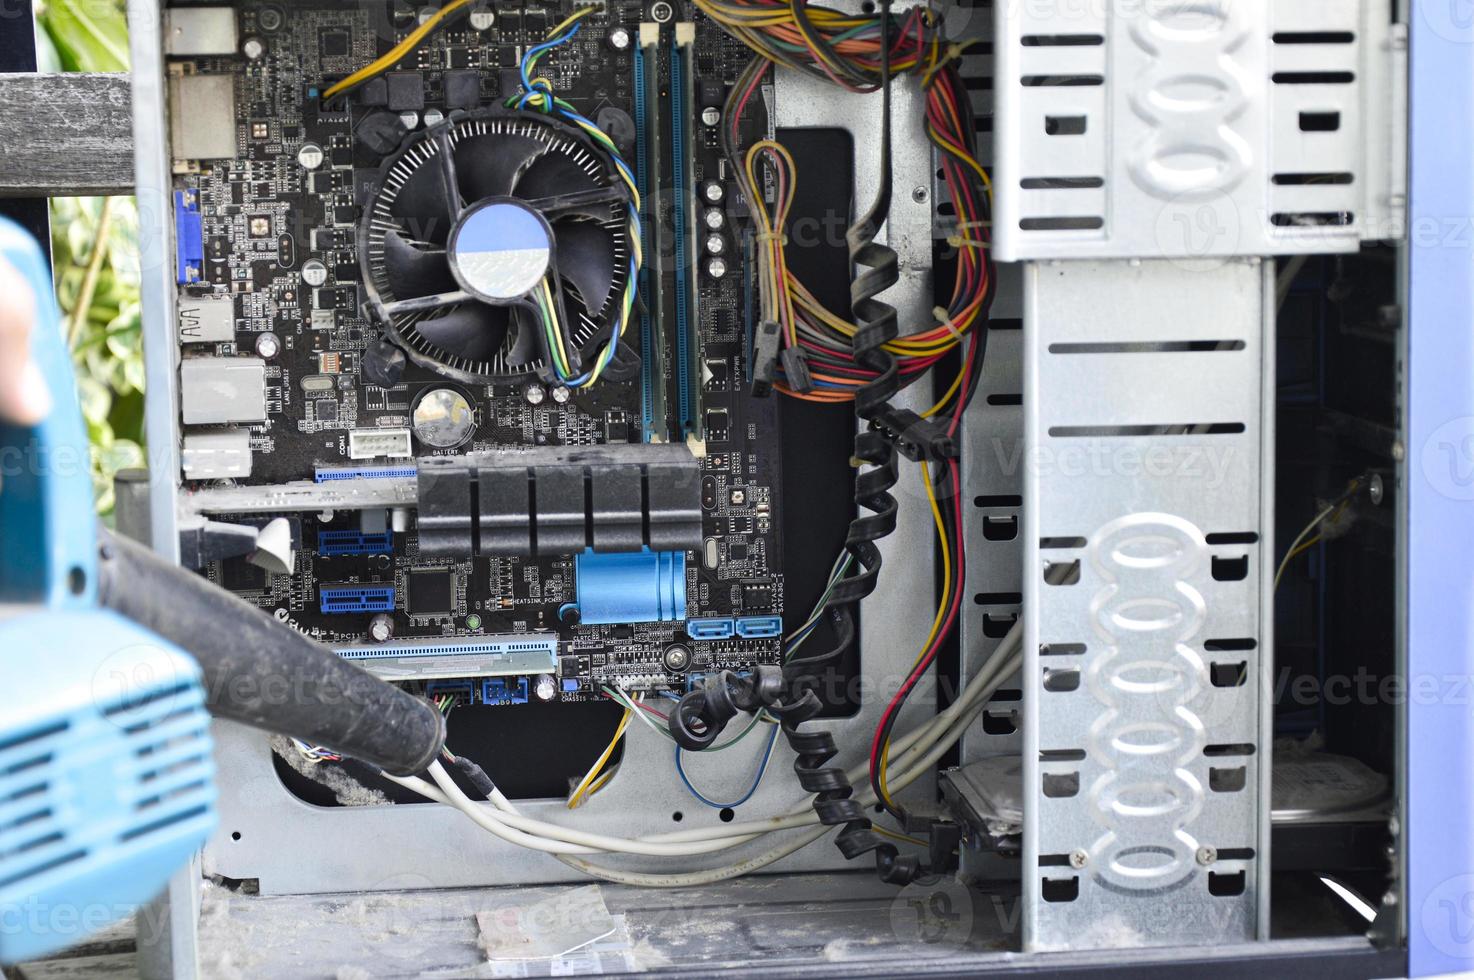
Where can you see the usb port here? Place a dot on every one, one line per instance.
(759, 627)
(504, 690)
(369, 443)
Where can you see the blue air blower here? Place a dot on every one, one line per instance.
(106, 779)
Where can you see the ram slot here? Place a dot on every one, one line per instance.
(655, 421)
(687, 239)
(649, 164)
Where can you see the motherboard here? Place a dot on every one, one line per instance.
(289, 378)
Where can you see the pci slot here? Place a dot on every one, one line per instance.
(683, 221)
(458, 657)
(655, 419)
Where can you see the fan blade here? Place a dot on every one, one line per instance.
(551, 175)
(414, 271)
(525, 347)
(585, 255)
(488, 165)
(423, 205)
(471, 330)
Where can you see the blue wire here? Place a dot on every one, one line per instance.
(532, 52)
(762, 770)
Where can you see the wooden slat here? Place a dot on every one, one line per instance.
(66, 134)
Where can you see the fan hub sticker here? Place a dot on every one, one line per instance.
(500, 250)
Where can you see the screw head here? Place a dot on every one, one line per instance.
(1207, 855)
(1377, 490)
(1078, 858)
(919, 194)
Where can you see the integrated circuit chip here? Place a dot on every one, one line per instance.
(431, 591)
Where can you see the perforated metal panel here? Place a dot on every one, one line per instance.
(1145, 591)
(1211, 128)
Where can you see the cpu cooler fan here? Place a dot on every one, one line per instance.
(469, 218)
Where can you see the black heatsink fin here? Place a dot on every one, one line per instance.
(423, 205)
(525, 347)
(552, 175)
(471, 330)
(413, 271)
(488, 165)
(585, 256)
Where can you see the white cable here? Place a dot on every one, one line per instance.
(914, 754)
(756, 862)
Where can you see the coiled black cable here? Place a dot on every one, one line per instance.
(704, 712)
(834, 801)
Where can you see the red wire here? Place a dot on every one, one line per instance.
(925, 663)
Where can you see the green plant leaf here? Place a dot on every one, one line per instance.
(88, 35)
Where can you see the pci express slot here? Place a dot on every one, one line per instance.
(655, 421)
(687, 238)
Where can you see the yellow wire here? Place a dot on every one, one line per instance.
(569, 21)
(903, 838)
(601, 782)
(582, 791)
(946, 397)
(399, 51)
(936, 626)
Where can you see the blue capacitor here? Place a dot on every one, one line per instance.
(634, 587)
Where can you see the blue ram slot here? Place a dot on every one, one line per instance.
(348, 542)
(633, 587)
(335, 599)
(685, 383)
(649, 375)
(759, 627)
(710, 629)
(504, 690)
(329, 474)
(189, 238)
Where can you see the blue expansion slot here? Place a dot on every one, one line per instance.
(328, 474)
(710, 629)
(504, 690)
(335, 599)
(759, 627)
(349, 542)
(189, 238)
